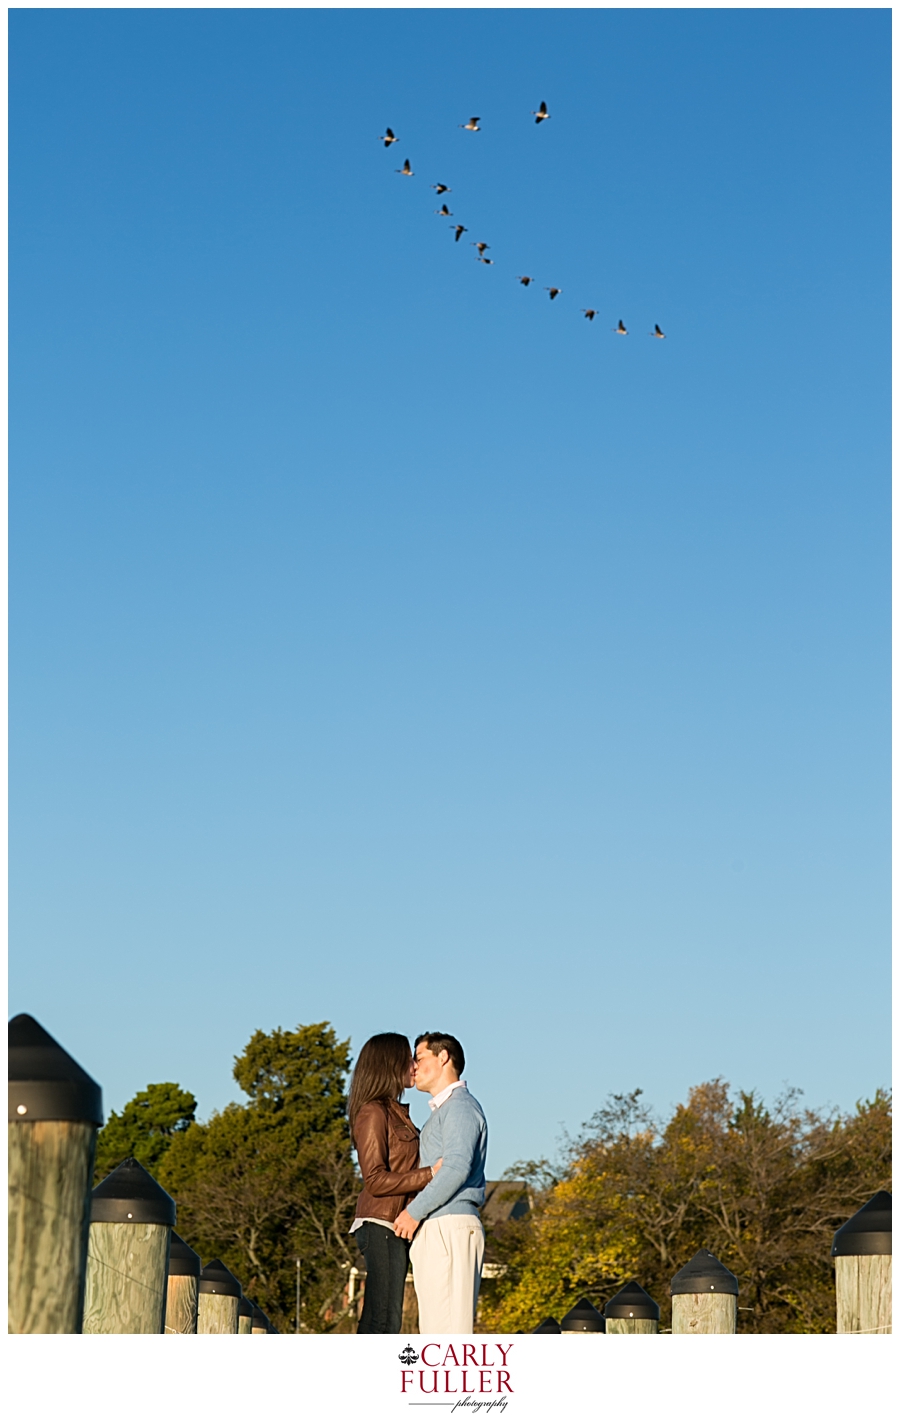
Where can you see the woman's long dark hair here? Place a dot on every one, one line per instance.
(381, 1072)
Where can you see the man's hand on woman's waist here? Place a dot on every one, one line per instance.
(405, 1226)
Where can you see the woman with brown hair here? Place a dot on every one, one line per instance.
(387, 1145)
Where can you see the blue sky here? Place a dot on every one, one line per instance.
(393, 647)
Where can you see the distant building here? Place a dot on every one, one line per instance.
(504, 1200)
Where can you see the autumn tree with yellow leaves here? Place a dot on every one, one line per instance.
(635, 1198)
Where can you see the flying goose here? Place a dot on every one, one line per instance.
(482, 247)
(459, 230)
(526, 281)
(406, 170)
(387, 138)
(441, 188)
(620, 329)
(443, 211)
(472, 125)
(660, 335)
(488, 261)
(589, 312)
(554, 291)
(541, 113)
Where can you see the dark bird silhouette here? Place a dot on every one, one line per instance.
(459, 230)
(472, 125)
(488, 261)
(441, 188)
(526, 281)
(660, 335)
(589, 312)
(620, 329)
(406, 170)
(443, 211)
(387, 138)
(554, 291)
(541, 113)
(482, 247)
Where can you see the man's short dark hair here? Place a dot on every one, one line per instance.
(437, 1042)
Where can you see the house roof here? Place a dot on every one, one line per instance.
(504, 1200)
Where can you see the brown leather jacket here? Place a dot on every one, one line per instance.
(387, 1144)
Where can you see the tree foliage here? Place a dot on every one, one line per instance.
(263, 1184)
(145, 1128)
(763, 1188)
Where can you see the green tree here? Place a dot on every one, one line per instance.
(145, 1128)
(262, 1184)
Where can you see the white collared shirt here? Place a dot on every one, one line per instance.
(444, 1095)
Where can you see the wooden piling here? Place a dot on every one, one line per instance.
(704, 1296)
(128, 1253)
(217, 1305)
(54, 1112)
(181, 1288)
(632, 1310)
(245, 1315)
(863, 1269)
(260, 1324)
(583, 1318)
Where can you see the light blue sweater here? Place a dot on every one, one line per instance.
(456, 1131)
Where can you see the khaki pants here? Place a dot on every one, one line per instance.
(446, 1257)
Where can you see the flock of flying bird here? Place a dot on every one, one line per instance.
(474, 126)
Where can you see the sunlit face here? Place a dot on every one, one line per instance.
(411, 1073)
(428, 1067)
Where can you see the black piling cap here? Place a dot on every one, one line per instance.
(182, 1259)
(259, 1319)
(130, 1195)
(45, 1083)
(245, 1308)
(216, 1279)
(704, 1275)
(868, 1231)
(549, 1325)
(583, 1318)
(632, 1302)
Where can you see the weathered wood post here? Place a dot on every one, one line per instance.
(704, 1296)
(549, 1325)
(128, 1253)
(632, 1310)
(54, 1111)
(220, 1294)
(181, 1287)
(583, 1318)
(862, 1263)
(245, 1315)
(260, 1323)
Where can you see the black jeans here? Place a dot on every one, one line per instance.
(387, 1262)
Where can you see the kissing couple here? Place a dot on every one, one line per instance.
(421, 1196)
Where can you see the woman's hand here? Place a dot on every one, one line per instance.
(436, 1168)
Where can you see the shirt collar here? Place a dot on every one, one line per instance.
(442, 1096)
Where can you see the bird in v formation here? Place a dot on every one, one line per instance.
(473, 126)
